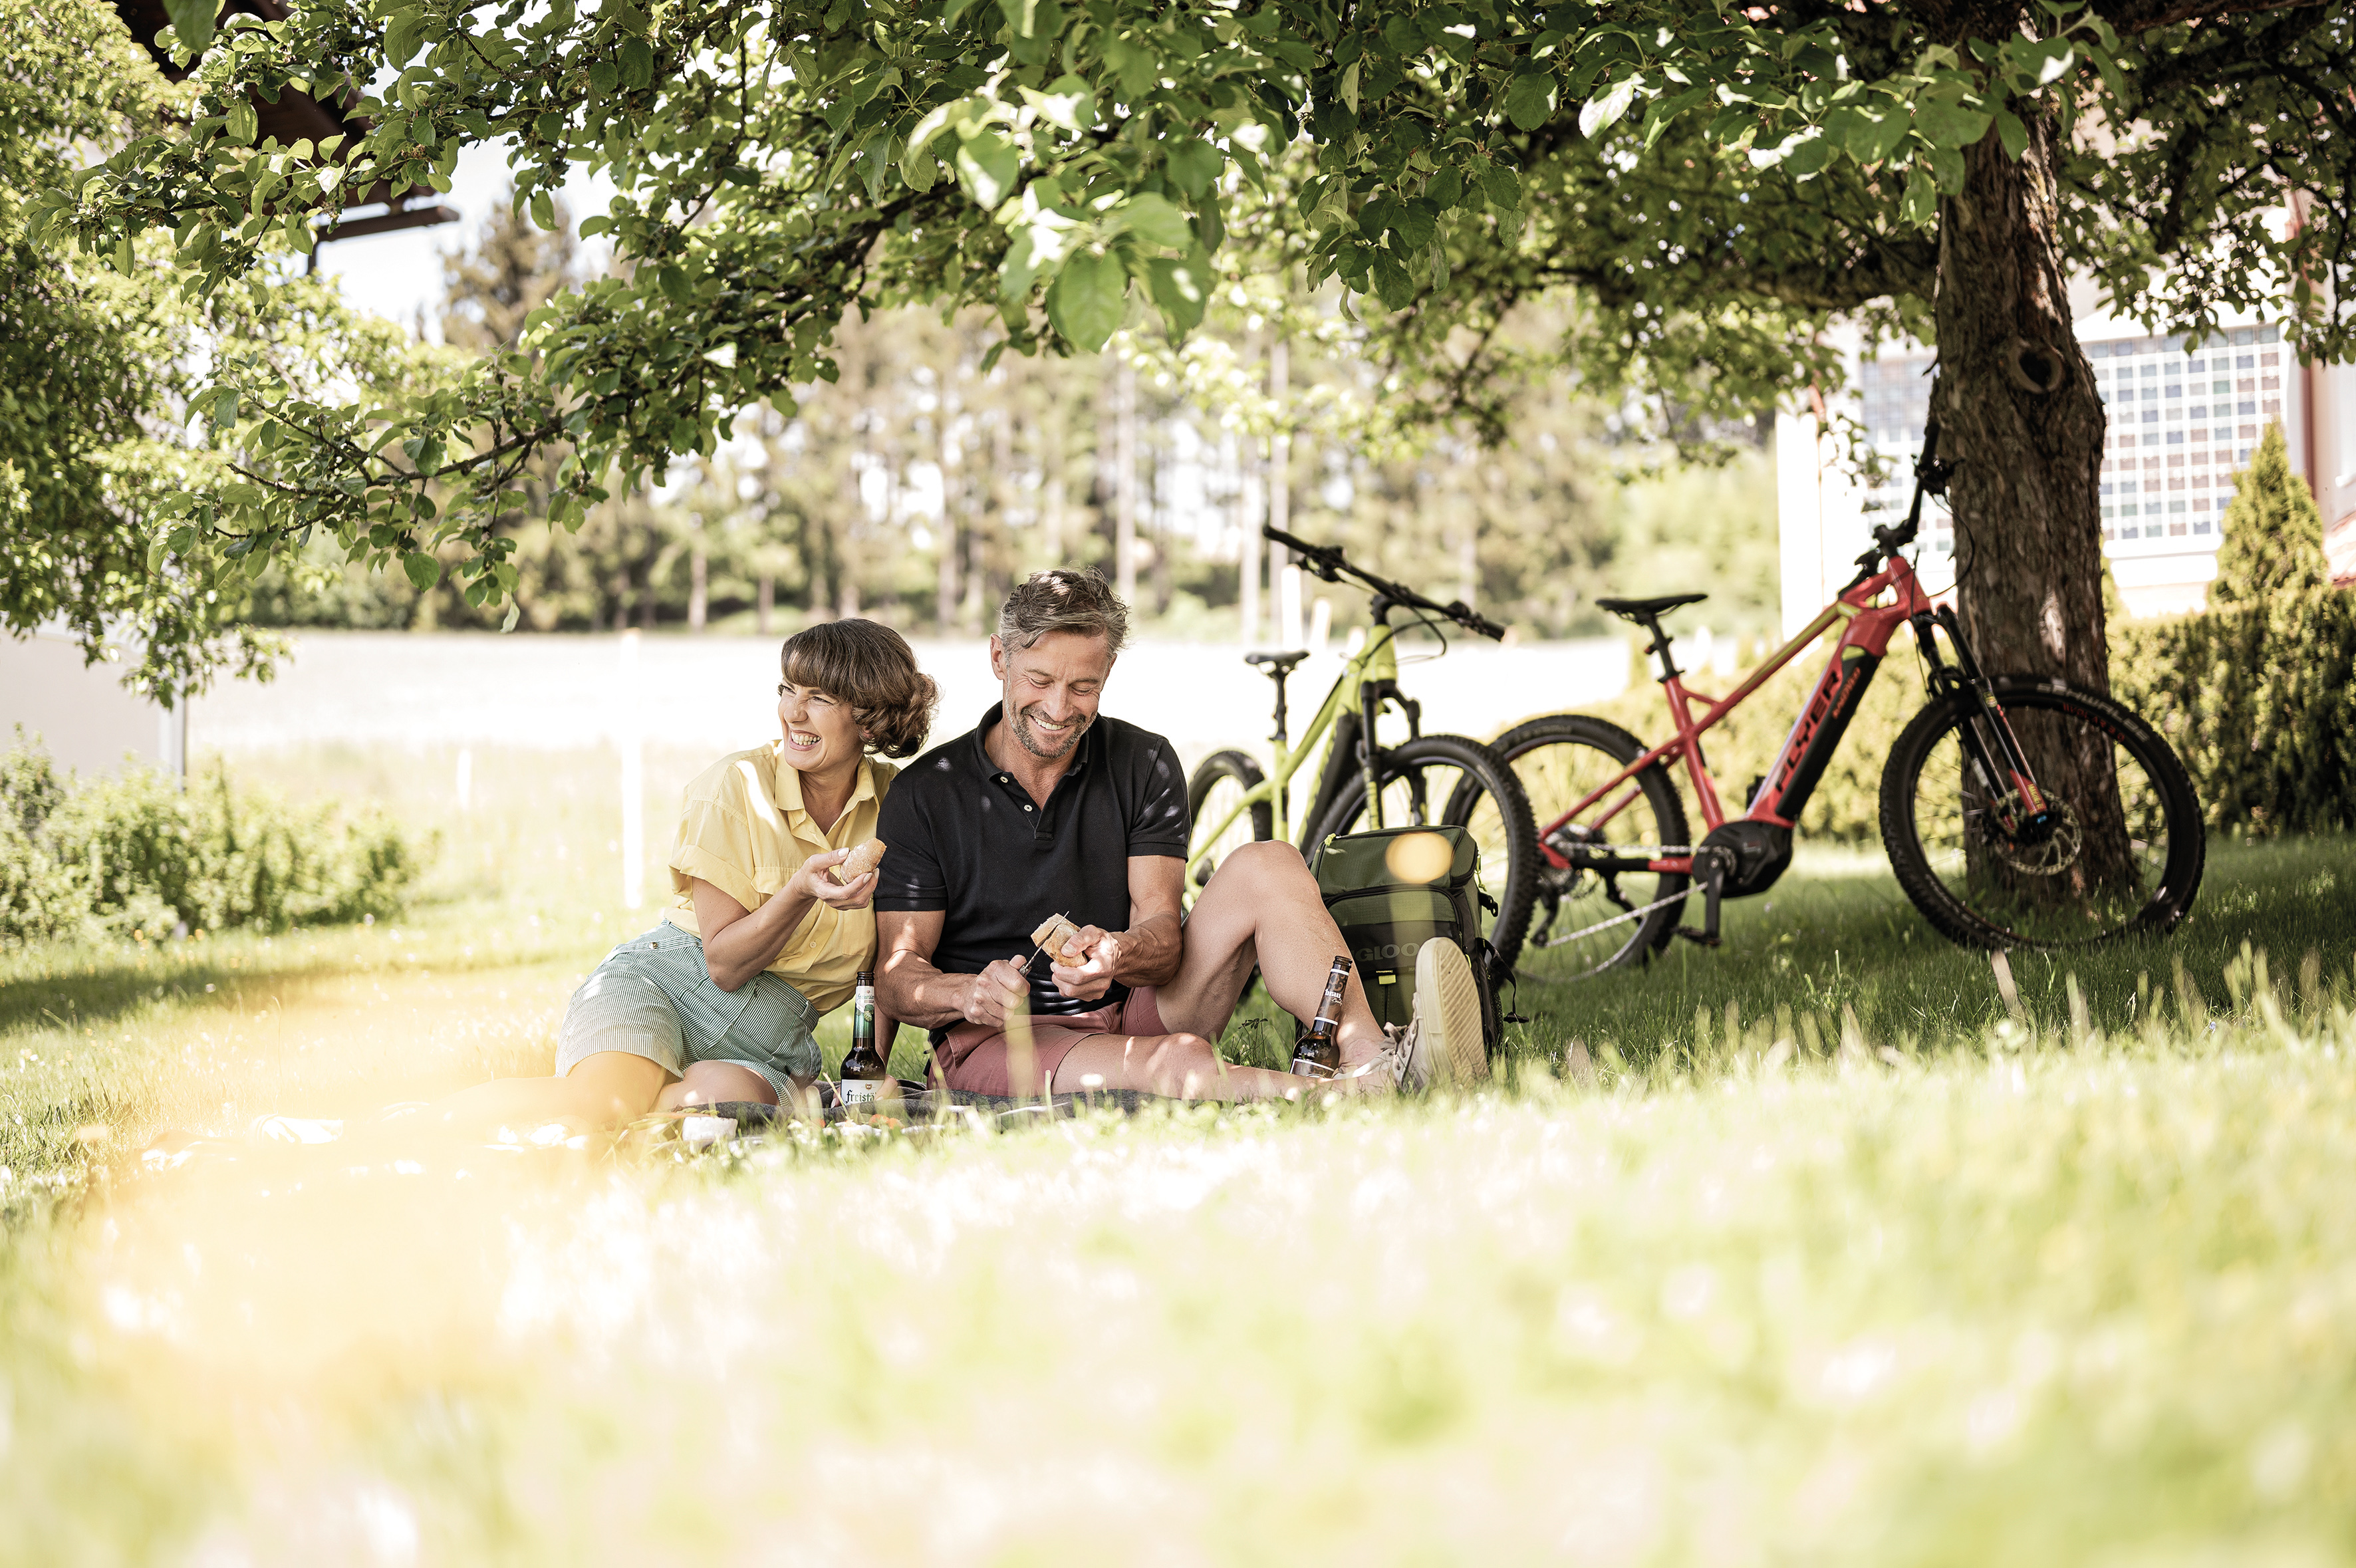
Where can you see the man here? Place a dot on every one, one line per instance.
(1049, 807)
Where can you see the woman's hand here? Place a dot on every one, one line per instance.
(813, 883)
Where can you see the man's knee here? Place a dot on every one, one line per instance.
(1178, 1052)
(1265, 862)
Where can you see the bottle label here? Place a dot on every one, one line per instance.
(855, 1091)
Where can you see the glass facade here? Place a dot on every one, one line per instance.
(2181, 423)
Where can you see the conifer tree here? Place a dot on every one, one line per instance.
(2273, 534)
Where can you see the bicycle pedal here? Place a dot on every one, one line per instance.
(1512, 1018)
(1696, 935)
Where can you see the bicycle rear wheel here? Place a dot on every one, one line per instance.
(1418, 780)
(1590, 915)
(2119, 849)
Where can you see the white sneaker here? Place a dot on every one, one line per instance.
(1442, 1044)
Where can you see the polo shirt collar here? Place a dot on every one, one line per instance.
(785, 787)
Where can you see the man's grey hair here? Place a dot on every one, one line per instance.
(1063, 601)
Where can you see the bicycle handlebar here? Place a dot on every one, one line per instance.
(1931, 476)
(1329, 563)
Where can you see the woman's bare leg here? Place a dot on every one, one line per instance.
(605, 1089)
(711, 1083)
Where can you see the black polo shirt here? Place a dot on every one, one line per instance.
(967, 839)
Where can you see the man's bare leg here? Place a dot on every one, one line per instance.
(1262, 907)
(1182, 1066)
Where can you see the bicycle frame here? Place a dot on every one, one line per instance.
(1370, 680)
(1800, 762)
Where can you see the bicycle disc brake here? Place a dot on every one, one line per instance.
(2046, 844)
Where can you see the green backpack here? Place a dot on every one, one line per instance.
(1389, 898)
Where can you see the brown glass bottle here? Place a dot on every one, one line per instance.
(863, 1073)
(1318, 1053)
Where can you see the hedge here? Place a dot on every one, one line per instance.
(139, 857)
(2259, 702)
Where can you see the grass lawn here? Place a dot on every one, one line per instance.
(1808, 1253)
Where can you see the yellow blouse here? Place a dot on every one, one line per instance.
(742, 828)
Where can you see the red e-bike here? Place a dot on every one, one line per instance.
(2016, 811)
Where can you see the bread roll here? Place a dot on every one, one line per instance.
(1055, 934)
(859, 863)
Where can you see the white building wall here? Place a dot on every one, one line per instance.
(83, 714)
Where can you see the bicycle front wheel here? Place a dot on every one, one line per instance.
(1419, 779)
(2118, 848)
(1217, 787)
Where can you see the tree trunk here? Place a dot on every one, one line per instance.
(946, 586)
(765, 602)
(1124, 483)
(2018, 412)
(698, 580)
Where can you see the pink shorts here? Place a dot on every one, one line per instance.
(972, 1058)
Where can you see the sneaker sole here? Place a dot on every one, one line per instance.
(1448, 1006)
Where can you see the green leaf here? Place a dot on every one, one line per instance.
(1182, 290)
(987, 166)
(1503, 186)
(1870, 132)
(514, 609)
(193, 21)
(638, 62)
(1921, 204)
(1529, 101)
(243, 124)
(403, 34)
(1089, 298)
(1193, 164)
(1153, 219)
(673, 283)
(1068, 103)
(1599, 113)
(1393, 287)
(1944, 122)
(543, 209)
(423, 569)
(2015, 134)
(1136, 67)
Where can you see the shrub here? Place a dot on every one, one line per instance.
(2273, 534)
(2259, 700)
(138, 855)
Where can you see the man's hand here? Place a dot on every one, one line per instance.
(1100, 952)
(987, 998)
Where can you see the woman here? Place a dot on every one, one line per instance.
(718, 1002)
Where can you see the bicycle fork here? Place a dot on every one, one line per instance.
(1990, 748)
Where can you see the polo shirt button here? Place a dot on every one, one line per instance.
(1026, 807)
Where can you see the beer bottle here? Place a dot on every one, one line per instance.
(1318, 1054)
(863, 1074)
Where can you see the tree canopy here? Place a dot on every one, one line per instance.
(1711, 187)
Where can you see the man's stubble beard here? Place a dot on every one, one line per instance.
(1026, 737)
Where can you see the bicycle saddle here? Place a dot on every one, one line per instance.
(1283, 661)
(1645, 609)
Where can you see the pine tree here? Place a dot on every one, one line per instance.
(2274, 533)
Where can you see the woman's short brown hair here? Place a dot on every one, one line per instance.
(870, 667)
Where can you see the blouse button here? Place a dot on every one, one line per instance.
(1026, 807)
